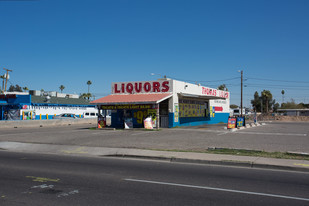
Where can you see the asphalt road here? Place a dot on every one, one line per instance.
(270, 137)
(28, 179)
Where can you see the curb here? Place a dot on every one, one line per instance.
(210, 159)
(246, 164)
(247, 126)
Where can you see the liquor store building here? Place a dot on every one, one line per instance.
(170, 102)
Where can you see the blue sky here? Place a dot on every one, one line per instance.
(48, 43)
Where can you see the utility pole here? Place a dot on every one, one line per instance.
(241, 93)
(7, 77)
(2, 88)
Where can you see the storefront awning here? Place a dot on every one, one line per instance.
(132, 99)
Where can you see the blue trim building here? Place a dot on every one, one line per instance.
(171, 103)
(23, 106)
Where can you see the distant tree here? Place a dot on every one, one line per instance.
(304, 105)
(233, 106)
(256, 102)
(86, 96)
(25, 89)
(267, 99)
(11, 88)
(222, 87)
(282, 92)
(276, 107)
(15, 88)
(89, 83)
(292, 105)
(61, 88)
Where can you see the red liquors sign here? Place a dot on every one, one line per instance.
(160, 86)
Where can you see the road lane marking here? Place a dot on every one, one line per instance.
(64, 194)
(277, 134)
(304, 165)
(142, 133)
(197, 130)
(104, 132)
(223, 133)
(219, 189)
(75, 151)
(43, 186)
(42, 179)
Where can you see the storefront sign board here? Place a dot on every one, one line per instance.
(231, 123)
(128, 106)
(159, 86)
(240, 121)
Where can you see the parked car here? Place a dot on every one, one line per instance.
(65, 116)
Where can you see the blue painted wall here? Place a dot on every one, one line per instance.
(20, 99)
(195, 121)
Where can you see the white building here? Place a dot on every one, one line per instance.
(37, 105)
(172, 103)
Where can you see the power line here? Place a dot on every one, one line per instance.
(274, 80)
(186, 80)
(274, 87)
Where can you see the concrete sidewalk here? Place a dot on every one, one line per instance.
(188, 157)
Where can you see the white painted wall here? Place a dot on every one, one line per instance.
(57, 110)
(222, 98)
(193, 89)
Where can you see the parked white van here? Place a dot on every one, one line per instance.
(90, 114)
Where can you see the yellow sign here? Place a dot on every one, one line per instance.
(191, 110)
(127, 106)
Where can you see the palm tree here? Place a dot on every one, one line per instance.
(282, 92)
(61, 88)
(25, 89)
(266, 94)
(222, 87)
(86, 96)
(89, 83)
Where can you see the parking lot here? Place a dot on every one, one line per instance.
(274, 136)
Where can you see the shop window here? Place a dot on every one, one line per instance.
(192, 108)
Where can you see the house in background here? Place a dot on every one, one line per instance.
(294, 112)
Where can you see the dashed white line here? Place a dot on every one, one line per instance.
(277, 134)
(219, 189)
(142, 133)
(103, 132)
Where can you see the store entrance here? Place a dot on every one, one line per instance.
(163, 113)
